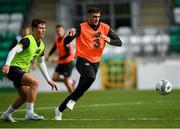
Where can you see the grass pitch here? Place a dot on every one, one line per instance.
(102, 109)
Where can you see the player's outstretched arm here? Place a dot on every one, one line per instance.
(11, 54)
(72, 34)
(53, 49)
(43, 68)
(114, 39)
(106, 39)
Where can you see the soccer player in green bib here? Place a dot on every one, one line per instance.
(17, 66)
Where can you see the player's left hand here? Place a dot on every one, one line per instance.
(105, 38)
(72, 32)
(53, 85)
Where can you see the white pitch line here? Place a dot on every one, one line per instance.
(101, 105)
(96, 119)
(83, 106)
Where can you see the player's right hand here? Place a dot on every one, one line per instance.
(72, 32)
(5, 69)
(53, 85)
(105, 38)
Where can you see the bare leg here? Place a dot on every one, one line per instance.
(56, 77)
(23, 90)
(18, 101)
(27, 92)
(32, 82)
(66, 81)
(69, 85)
(7, 115)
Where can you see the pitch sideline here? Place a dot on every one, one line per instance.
(100, 105)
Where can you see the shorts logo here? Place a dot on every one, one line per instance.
(87, 64)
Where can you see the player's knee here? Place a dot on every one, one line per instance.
(35, 83)
(54, 78)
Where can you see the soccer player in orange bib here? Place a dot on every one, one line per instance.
(91, 38)
(65, 59)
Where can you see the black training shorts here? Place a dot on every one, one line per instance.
(86, 68)
(15, 74)
(65, 69)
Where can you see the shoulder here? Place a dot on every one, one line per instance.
(83, 23)
(24, 42)
(104, 25)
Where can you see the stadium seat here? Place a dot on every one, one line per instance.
(3, 27)
(148, 43)
(10, 36)
(5, 17)
(125, 40)
(6, 45)
(3, 54)
(163, 41)
(176, 12)
(111, 50)
(7, 37)
(14, 27)
(2, 62)
(20, 9)
(177, 3)
(6, 9)
(124, 31)
(16, 17)
(174, 39)
(136, 43)
(174, 43)
(174, 30)
(151, 31)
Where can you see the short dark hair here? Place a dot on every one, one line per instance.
(59, 25)
(94, 10)
(36, 22)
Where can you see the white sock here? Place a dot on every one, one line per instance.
(30, 107)
(9, 111)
